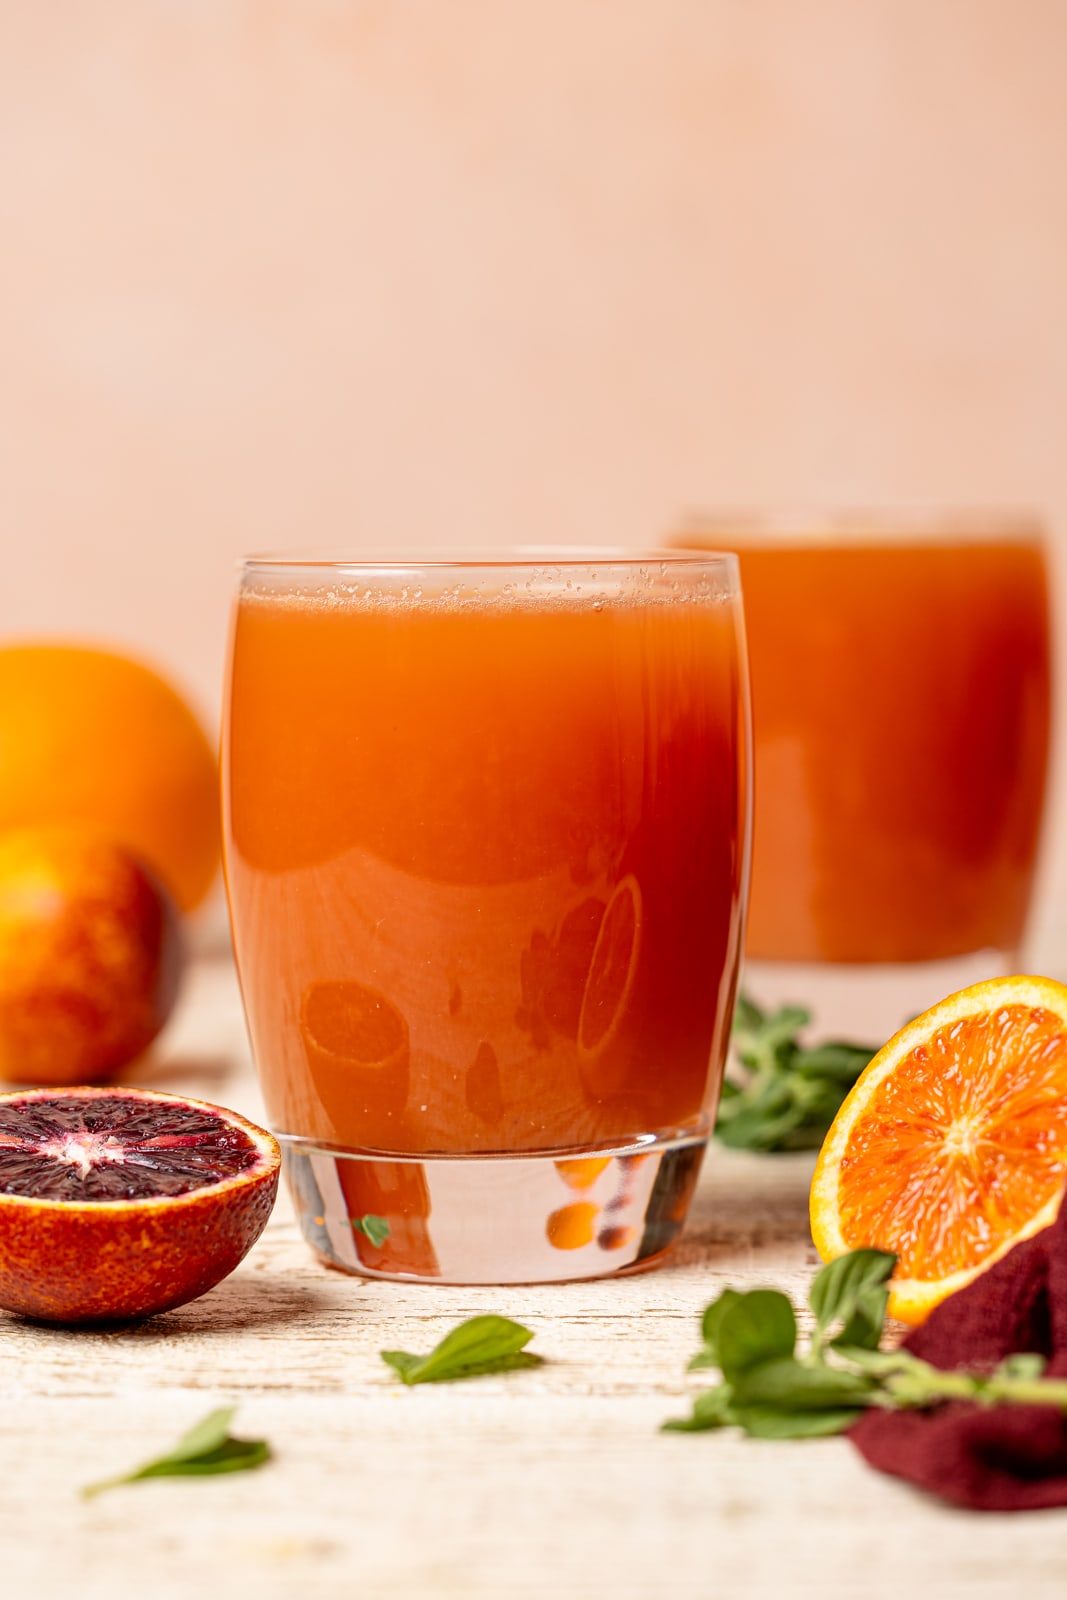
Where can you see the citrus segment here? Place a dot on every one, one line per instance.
(118, 1203)
(952, 1145)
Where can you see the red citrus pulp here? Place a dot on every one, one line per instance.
(118, 1203)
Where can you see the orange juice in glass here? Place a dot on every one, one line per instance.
(900, 674)
(486, 846)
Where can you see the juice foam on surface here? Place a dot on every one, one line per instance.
(442, 590)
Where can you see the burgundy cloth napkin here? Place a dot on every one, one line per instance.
(991, 1458)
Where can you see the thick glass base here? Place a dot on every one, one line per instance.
(867, 1002)
(543, 1218)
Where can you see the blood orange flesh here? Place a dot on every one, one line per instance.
(118, 1203)
(115, 1147)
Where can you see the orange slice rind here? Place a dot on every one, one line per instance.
(952, 1145)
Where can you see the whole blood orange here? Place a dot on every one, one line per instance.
(90, 957)
(118, 1203)
(952, 1145)
(90, 736)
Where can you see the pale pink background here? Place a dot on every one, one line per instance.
(319, 273)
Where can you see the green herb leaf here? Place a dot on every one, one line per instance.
(713, 1315)
(206, 1449)
(209, 1434)
(1023, 1364)
(852, 1291)
(376, 1229)
(836, 1060)
(864, 1329)
(762, 1038)
(764, 1422)
(880, 1362)
(748, 1017)
(789, 1385)
(756, 1327)
(480, 1345)
(765, 1116)
(780, 1095)
(771, 1392)
(708, 1357)
(712, 1408)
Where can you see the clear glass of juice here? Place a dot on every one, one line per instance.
(900, 670)
(486, 846)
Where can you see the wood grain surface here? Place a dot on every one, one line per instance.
(553, 1481)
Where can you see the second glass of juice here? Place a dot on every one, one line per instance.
(900, 690)
(486, 833)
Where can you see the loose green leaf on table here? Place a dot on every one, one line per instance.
(206, 1449)
(476, 1347)
(778, 1094)
(772, 1391)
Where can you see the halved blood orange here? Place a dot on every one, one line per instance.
(952, 1145)
(117, 1203)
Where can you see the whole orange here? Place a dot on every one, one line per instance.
(89, 736)
(90, 957)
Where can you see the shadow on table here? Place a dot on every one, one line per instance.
(746, 1202)
(198, 1076)
(241, 1304)
(248, 1303)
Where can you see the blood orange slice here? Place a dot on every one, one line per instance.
(952, 1146)
(117, 1203)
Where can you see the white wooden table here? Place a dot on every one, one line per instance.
(554, 1481)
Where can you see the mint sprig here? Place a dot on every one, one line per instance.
(476, 1347)
(771, 1391)
(778, 1094)
(206, 1449)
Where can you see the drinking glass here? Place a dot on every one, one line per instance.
(900, 688)
(486, 842)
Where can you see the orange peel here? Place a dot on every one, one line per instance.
(952, 1145)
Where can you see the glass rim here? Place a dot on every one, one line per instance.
(520, 558)
(925, 523)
